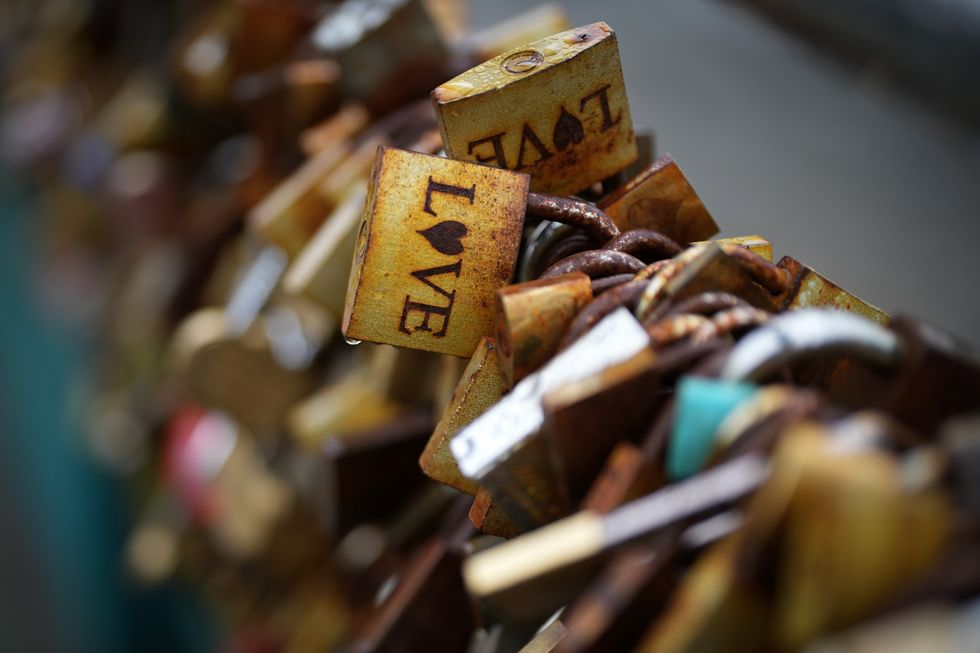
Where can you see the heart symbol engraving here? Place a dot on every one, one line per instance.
(446, 237)
(568, 130)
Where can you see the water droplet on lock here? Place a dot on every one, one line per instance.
(522, 62)
(351, 341)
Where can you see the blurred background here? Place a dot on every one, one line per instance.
(845, 132)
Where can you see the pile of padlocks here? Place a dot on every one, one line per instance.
(642, 439)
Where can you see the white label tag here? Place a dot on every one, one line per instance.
(489, 437)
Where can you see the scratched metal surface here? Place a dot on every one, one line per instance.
(871, 188)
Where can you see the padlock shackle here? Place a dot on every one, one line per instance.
(802, 334)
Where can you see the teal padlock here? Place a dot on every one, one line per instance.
(702, 405)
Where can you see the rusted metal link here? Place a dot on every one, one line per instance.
(674, 328)
(623, 295)
(653, 269)
(572, 244)
(575, 212)
(595, 263)
(707, 303)
(664, 272)
(600, 286)
(774, 279)
(732, 319)
(644, 244)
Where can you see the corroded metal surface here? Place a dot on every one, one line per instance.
(662, 199)
(555, 108)
(531, 318)
(438, 237)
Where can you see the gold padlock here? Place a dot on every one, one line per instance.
(555, 108)
(480, 387)
(438, 237)
(532, 318)
(662, 199)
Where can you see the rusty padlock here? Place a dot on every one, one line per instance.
(577, 131)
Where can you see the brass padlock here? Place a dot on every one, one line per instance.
(613, 612)
(322, 268)
(487, 516)
(532, 318)
(502, 449)
(809, 289)
(584, 420)
(531, 25)
(555, 108)
(754, 243)
(481, 385)
(438, 237)
(529, 576)
(662, 199)
(389, 51)
(241, 373)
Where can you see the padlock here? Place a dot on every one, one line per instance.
(710, 268)
(322, 268)
(389, 51)
(350, 404)
(481, 386)
(487, 516)
(612, 613)
(836, 497)
(711, 609)
(367, 474)
(293, 211)
(531, 25)
(249, 513)
(502, 450)
(249, 375)
(584, 420)
(578, 131)
(531, 318)
(527, 577)
(907, 370)
(754, 243)
(809, 289)
(662, 199)
(632, 471)
(424, 606)
(547, 639)
(437, 239)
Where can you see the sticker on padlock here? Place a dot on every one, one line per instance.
(555, 108)
(438, 237)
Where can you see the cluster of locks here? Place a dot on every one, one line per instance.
(642, 438)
